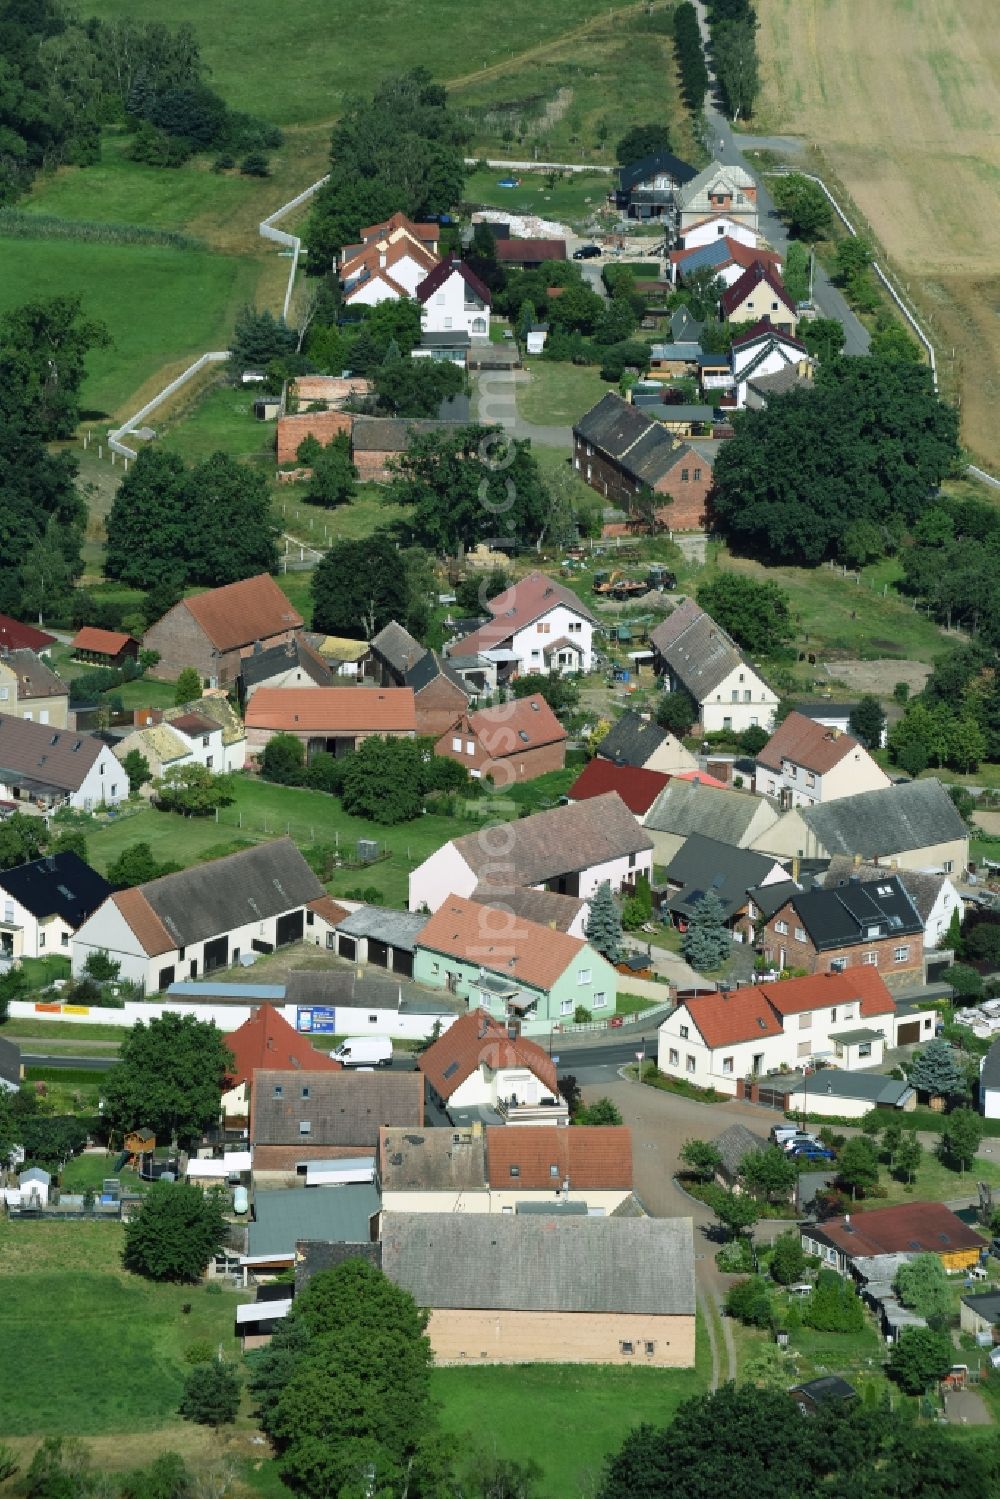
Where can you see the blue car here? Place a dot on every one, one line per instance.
(812, 1153)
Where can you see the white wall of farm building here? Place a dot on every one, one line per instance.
(229, 1017)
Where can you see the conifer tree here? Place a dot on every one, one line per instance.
(604, 924)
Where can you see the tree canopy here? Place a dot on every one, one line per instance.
(178, 1229)
(169, 1078)
(866, 446)
(640, 141)
(755, 614)
(359, 586)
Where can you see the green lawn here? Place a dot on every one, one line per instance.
(87, 1348)
(300, 63)
(221, 419)
(567, 1417)
(570, 200)
(936, 1182)
(162, 306)
(556, 394)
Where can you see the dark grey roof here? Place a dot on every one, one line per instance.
(896, 820)
(390, 434)
(704, 864)
(457, 338)
(37, 754)
(632, 740)
(397, 647)
(429, 667)
(698, 652)
(624, 433)
(734, 1144)
(829, 1387)
(262, 665)
(921, 885)
(343, 988)
(58, 885)
(684, 326)
(989, 1076)
(314, 1256)
(985, 1305)
(398, 928)
(854, 912)
(771, 898)
(432, 1160)
(542, 906)
(232, 892)
(481, 1261)
(281, 1217)
(778, 383)
(650, 166)
(552, 1209)
(342, 1108)
(687, 807)
(872, 1087)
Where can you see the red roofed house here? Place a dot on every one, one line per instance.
(759, 293)
(637, 788)
(213, 631)
(389, 263)
(538, 624)
(515, 741)
(332, 719)
(720, 1040)
(266, 1040)
(15, 636)
(804, 763)
(477, 1064)
(103, 647)
(453, 299)
(728, 266)
(510, 966)
(911, 1228)
(529, 254)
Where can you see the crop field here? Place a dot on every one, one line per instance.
(299, 63)
(903, 101)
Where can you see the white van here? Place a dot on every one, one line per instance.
(364, 1051)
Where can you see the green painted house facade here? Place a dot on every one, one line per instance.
(588, 980)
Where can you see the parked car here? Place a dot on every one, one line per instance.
(782, 1132)
(364, 1052)
(812, 1153)
(797, 1139)
(587, 252)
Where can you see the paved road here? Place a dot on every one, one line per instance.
(60, 1060)
(725, 145)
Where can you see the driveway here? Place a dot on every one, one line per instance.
(496, 405)
(727, 146)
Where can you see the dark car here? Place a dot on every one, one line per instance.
(587, 252)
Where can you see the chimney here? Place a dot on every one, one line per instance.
(834, 732)
(857, 861)
(795, 869)
(847, 1217)
(477, 1129)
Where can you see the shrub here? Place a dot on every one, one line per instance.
(200, 1352)
(749, 1302)
(736, 1257)
(255, 164)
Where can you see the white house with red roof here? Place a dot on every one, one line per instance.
(538, 625)
(389, 263)
(728, 258)
(804, 763)
(716, 226)
(477, 1064)
(844, 1020)
(266, 1040)
(453, 299)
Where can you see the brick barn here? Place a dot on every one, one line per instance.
(620, 451)
(213, 631)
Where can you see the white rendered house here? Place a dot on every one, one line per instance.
(718, 226)
(454, 300)
(538, 625)
(804, 763)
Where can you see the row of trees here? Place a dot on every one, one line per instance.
(955, 721)
(842, 470)
(732, 26)
(690, 57)
(385, 780)
(951, 565)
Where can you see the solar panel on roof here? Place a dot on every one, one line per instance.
(451, 1069)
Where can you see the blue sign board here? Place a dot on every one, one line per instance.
(317, 1020)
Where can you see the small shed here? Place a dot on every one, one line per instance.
(34, 1184)
(537, 334)
(104, 647)
(814, 1394)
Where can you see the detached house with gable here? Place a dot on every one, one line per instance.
(213, 631)
(642, 743)
(515, 741)
(511, 967)
(49, 767)
(389, 263)
(765, 362)
(538, 625)
(647, 189)
(759, 293)
(695, 654)
(454, 300)
(477, 1064)
(847, 926)
(718, 191)
(804, 763)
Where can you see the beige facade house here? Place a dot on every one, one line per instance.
(695, 655)
(641, 742)
(911, 826)
(804, 763)
(29, 688)
(683, 808)
(720, 191)
(548, 1288)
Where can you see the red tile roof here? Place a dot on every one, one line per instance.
(106, 642)
(752, 277)
(765, 329)
(476, 1040)
(595, 1157)
(638, 788)
(806, 742)
(267, 1040)
(15, 636)
(739, 254)
(328, 910)
(421, 232)
(520, 605)
(333, 710)
(440, 274)
(239, 614)
(815, 992)
(913, 1227)
(701, 776)
(144, 922)
(520, 950)
(513, 251)
(725, 1019)
(510, 728)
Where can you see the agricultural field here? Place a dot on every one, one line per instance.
(902, 101)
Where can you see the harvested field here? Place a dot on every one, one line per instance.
(878, 677)
(903, 101)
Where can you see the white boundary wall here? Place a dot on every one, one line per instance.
(349, 1022)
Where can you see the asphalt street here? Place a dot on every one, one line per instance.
(60, 1061)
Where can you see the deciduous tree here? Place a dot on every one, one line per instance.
(169, 1078)
(857, 1167)
(211, 1394)
(867, 721)
(193, 790)
(962, 1135)
(755, 614)
(178, 1229)
(923, 1285)
(769, 1174)
(919, 1358)
(136, 767)
(384, 780)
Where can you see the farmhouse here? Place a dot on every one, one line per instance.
(453, 299)
(189, 736)
(686, 807)
(912, 1228)
(440, 695)
(514, 1289)
(30, 689)
(912, 826)
(48, 767)
(477, 1064)
(703, 864)
(291, 663)
(727, 258)
(635, 740)
(202, 918)
(621, 452)
(765, 362)
(296, 1118)
(538, 624)
(15, 636)
(103, 647)
(506, 965)
(330, 719)
(571, 850)
(44, 903)
(563, 913)
(804, 763)
(695, 654)
(830, 930)
(213, 631)
(515, 741)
